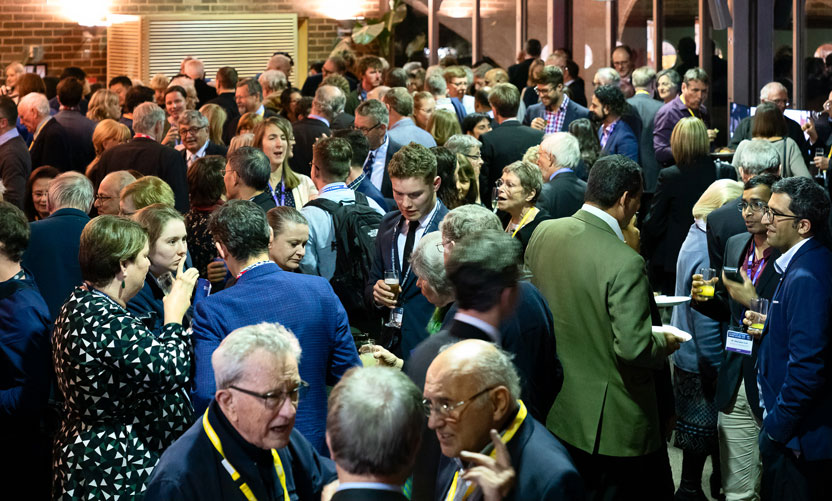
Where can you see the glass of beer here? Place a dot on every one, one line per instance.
(391, 280)
(708, 275)
(366, 352)
(759, 305)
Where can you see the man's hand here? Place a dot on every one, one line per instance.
(696, 287)
(383, 295)
(671, 342)
(177, 301)
(215, 272)
(382, 356)
(632, 235)
(809, 128)
(494, 477)
(743, 292)
(538, 123)
(821, 163)
(754, 318)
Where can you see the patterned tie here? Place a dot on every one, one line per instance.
(368, 164)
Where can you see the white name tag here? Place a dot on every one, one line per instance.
(739, 342)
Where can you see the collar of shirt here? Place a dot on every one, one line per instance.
(333, 187)
(8, 136)
(781, 264)
(423, 221)
(401, 123)
(609, 128)
(482, 325)
(560, 171)
(379, 160)
(199, 153)
(611, 221)
(376, 486)
(357, 181)
(642, 91)
(564, 103)
(318, 117)
(701, 225)
(139, 135)
(512, 119)
(261, 111)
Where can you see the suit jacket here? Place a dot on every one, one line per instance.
(151, 159)
(518, 74)
(599, 297)
(306, 131)
(795, 355)
(342, 121)
(226, 100)
(666, 224)
(736, 367)
(543, 467)
(304, 304)
(79, 131)
(311, 84)
(723, 223)
(574, 111)
(52, 255)
(500, 147)
(576, 91)
(417, 309)
(647, 108)
(386, 185)
(83, 105)
(563, 195)
(622, 141)
(15, 168)
(204, 92)
(368, 495)
(211, 149)
(406, 131)
(52, 146)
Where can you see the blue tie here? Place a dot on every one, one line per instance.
(368, 164)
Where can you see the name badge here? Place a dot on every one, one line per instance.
(739, 342)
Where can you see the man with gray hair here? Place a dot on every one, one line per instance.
(758, 157)
(195, 69)
(374, 451)
(193, 129)
(644, 81)
(491, 447)
(247, 177)
(563, 192)
(372, 119)
(246, 440)
(52, 255)
(438, 87)
(328, 103)
(51, 144)
(145, 154)
(401, 128)
(272, 81)
(281, 61)
(469, 146)
(606, 76)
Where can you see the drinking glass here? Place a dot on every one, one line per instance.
(708, 276)
(820, 153)
(495, 197)
(391, 280)
(759, 305)
(365, 352)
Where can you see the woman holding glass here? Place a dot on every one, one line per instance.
(274, 136)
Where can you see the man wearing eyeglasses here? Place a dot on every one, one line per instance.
(555, 111)
(372, 118)
(245, 446)
(107, 198)
(796, 348)
(491, 447)
(193, 129)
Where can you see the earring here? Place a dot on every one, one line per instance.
(122, 284)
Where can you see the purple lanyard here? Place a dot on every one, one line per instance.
(282, 193)
(750, 262)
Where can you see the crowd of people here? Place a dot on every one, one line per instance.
(442, 283)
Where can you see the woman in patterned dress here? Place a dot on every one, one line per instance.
(124, 388)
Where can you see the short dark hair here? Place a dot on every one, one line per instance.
(305, 106)
(227, 77)
(697, 74)
(70, 92)
(252, 165)
(505, 98)
(471, 121)
(253, 86)
(74, 71)
(445, 168)
(612, 97)
(137, 95)
(333, 156)
(808, 201)
(121, 79)
(205, 180)
(14, 232)
(396, 77)
(481, 266)
(368, 62)
(611, 177)
(241, 226)
(105, 242)
(573, 68)
(8, 110)
(761, 180)
(533, 47)
(177, 88)
(550, 75)
(358, 142)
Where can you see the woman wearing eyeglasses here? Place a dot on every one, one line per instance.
(517, 193)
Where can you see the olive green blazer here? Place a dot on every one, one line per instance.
(599, 296)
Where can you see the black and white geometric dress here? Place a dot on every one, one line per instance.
(125, 394)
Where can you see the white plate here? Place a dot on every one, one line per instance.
(681, 335)
(668, 301)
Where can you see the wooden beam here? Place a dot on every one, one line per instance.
(520, 26)
(763, 44)
(476, 32)
(611, 29)
(798, 49)
(658, 33)
(558, 24)
(433, 31)
(706, 44)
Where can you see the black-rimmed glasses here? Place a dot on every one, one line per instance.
(444, 410)
(756, 206)
(771, 214)
(366, 130)
(275, 398)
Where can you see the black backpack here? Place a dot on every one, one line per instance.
(356, 226)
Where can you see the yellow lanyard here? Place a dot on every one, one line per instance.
(682, 98)
(278, 464)
(36, 133)
(642, 92)
(522, 221)
(508, 435)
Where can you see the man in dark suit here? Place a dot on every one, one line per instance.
(506, 143)
(617, 138)
(574, 83)
(372, 118)
(196, 71)
(334, 65)
(51, 144)
(795, 355)
(15, 161)
(555, 111)
(328, 100)
(52, 256)
(563, 192)
(475, 417)
(518, 74)
(414, 184)
(78, 128)
(304, 304)
(226, 88)
(193, 129)
(247, 177)
(736, 396)
(120, 84)
(374, 451)
(644, 81)
(81, 76)
(145, 155)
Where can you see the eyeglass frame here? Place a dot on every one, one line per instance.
(102, 198)
(771, 214)
(300, 390)
(365, 130)
(444, 411)
(761, 206)
(190, 130)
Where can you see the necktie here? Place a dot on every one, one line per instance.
(412, 226)
(368, 164)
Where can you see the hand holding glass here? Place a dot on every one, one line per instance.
(709, 277)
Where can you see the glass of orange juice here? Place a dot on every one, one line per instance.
(708, 276)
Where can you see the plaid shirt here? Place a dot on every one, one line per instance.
(555, 119)
(606, 131)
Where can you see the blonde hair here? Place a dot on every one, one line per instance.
(148, 190)
(159, 82)
(109, 129)
(442, 125)
(216, 119)
(531, 155)
(103, 105)
(249, 120)
(689, 140)
(237, 142)
(718, 194)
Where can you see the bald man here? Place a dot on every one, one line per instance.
(107, 198)
(281, 62)
(196, 71)
(471, 391)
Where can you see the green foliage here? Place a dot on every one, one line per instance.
(380, 30)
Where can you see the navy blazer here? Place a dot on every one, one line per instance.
(304, 304)
(622, 141)
(306, 132)
(417, 309)
(52, 147)
(563, 195)
(79, 131)
(52, 255)
(574, 111)
(796, 354)
(543, 468)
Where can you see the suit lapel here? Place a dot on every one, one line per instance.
(433, 225)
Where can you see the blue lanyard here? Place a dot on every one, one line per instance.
(282, 193)
(394, 249)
